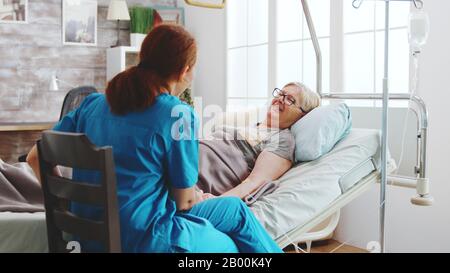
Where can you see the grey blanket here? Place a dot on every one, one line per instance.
(223, 166)
(20, 191)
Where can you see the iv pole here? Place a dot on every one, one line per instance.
(384, 126)
(384, 129)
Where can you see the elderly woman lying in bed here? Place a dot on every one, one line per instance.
(237, 161)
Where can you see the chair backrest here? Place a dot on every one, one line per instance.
(74, 98)
(76, 151)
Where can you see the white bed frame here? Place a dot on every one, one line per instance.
(322, 225)
(302, 233)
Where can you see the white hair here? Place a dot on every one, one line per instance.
(309, 98)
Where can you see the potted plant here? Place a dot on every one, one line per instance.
(186, 96)
(141, 22)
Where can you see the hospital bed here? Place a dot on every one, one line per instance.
(23, 232)
(307, 195)
(304, 208)
(312, 192)
(306, 205)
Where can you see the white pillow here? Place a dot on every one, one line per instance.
(319, 131)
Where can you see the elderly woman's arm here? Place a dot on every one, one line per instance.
(33, 161)
(268, 167)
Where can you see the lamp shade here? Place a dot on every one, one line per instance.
(118, 10)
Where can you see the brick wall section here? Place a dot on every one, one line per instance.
(15, 144)
(31, 53)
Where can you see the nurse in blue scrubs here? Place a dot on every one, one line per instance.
(155, 146)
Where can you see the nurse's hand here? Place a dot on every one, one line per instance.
(185, 199)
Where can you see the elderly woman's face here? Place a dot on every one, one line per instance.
(285, 109)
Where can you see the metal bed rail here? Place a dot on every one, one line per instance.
(420, 108)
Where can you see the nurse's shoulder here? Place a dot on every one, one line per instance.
(169, 100)
(91, 100)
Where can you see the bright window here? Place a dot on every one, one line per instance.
(248, 53)
(364, 32)
(269, 45)
(296, 59)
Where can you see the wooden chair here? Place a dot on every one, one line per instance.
(76, 151)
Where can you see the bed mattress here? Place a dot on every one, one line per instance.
(309, 187)
(23, 232)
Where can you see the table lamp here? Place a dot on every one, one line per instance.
(54, 86)
(118, 10)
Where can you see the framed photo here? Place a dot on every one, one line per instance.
(171, 15)
(79, 22)
(13, 11)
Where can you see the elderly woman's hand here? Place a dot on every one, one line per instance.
(207, 196)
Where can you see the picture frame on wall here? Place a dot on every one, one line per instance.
(14, 11)
(171, 15)
(79, 22)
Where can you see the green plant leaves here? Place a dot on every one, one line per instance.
(141, 19)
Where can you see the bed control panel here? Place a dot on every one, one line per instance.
(355, 175)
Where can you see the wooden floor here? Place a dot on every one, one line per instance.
(328, 246)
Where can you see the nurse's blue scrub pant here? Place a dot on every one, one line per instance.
(234, 228)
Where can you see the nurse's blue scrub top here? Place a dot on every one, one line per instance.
(154, 150)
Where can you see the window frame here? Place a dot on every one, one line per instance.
(336, 38)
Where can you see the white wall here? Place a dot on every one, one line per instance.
(410, 228)
(209, 28)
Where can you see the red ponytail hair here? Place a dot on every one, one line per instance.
(165, 53)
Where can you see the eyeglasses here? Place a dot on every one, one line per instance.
(288, 99)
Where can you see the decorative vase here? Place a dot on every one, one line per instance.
(136, 39)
